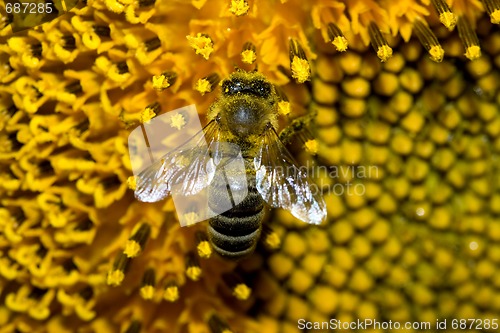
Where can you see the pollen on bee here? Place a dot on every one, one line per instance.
(217, 325)
(136, 243)
(337, 37)
(148, 284)
(239, 7)
(203, 245)
(248, 53)
(301, 70)
(164, 80)
(429, 40)
(206, 84)
(117, 273)
(446, 16)
(171, 292)
(193, 269)
(379, 43)
(202, 44)
(469, 39)
(177, 121)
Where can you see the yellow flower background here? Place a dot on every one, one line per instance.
(407, 87)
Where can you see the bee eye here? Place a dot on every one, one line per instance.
(231, 87)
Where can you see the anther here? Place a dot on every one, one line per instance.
(171, 292)
(136, 243)
(202, 44)
(239, 7)
(193, 269)
(117, 273)
(248, 53)
(203, 245)
(301, 70)
(493, 9)
(446, 16)
(148, 284)
(238, 287)
(469, 39)
(337, 37)
(270, 238)
(429, 40)
(164, 80)
(379, 43)
(207, 84)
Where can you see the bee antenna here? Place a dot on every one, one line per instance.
(256, 68)
(237, 69)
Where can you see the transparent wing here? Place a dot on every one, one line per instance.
(186, 170)
(282, 184)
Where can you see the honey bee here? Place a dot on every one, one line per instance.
(244, 116)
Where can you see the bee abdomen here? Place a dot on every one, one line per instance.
(234, 234)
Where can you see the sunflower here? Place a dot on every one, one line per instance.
(405, 140)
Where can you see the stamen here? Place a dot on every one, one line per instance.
(446, 16)
(207, 84)
(239, 7)
(337, 37)
(429, 41)
(102, 30)
(248, 53)
(117, 273)
(136, 243)
(132, 182)
(202, 44)
(469, 39)
(193, 269)
(171, 292)
(74, 88)
(135, 327)
(152, 44)
(284, 106)
(493, 9)
(270, 238)
(217, 325)
(150, 112)
(379, 43)
(203, 245)
(164, 80)
(148, 284)
(238, 287)
(301, 70)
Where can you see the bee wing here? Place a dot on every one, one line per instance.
(186, 170)
(282, 184)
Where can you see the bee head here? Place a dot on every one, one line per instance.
(247, 103)
(258, 87)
